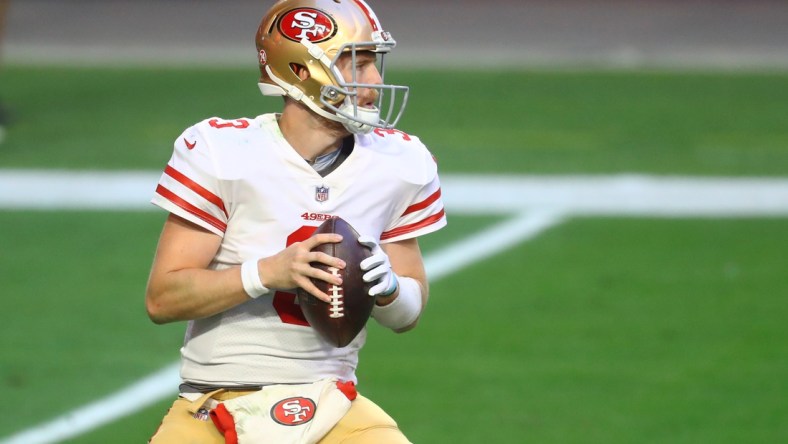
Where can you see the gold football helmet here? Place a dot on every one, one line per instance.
(313, 34)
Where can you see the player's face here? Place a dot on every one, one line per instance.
(366, 72)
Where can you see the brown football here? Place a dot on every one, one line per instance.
(340, 321)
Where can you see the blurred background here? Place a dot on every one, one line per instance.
(615, 174)
(485, 35)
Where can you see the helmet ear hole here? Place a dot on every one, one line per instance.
(300, 71)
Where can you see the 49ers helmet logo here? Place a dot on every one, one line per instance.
(312, 24)
(293, 411)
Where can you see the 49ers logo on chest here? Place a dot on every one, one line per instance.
(307, 23)
(293, 411)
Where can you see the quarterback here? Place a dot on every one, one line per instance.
(244, 196)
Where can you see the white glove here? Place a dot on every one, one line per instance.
(378, 269)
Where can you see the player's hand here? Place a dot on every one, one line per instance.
(378, 269)
(291, 268)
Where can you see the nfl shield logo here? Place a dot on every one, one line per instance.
(321, 193)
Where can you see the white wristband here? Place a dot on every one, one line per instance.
(402, 311)
(250, 278)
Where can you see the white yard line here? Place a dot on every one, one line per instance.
(637, 195)
(489, 242)
(131, 399)
(164, 383)
(617, 195)
(64, 190)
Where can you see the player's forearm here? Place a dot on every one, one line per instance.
(402, 310)
(193, 294)
(424, 289)
(412, 291)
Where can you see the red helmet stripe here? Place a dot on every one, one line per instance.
(373, 19)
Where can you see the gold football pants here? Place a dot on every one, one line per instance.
(365, 422)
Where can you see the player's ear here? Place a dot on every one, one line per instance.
(300, 70)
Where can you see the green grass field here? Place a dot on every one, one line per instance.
(600, 330)
(515, 122)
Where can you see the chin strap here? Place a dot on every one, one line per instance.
(283, 89)
(364, 118)
(355, 127)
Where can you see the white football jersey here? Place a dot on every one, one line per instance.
(242, 180)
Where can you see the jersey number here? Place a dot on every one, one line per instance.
(237, 123)
(383, 132)
(285, 302)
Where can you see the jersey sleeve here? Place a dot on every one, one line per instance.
(423, 210)
(189, 187)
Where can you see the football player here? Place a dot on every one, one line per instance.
(244, 197)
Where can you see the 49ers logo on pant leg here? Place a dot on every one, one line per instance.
(293, 411)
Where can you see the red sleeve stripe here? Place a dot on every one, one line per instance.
(423, 204)
(412, 227)
(174, 198)
(197, 188)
